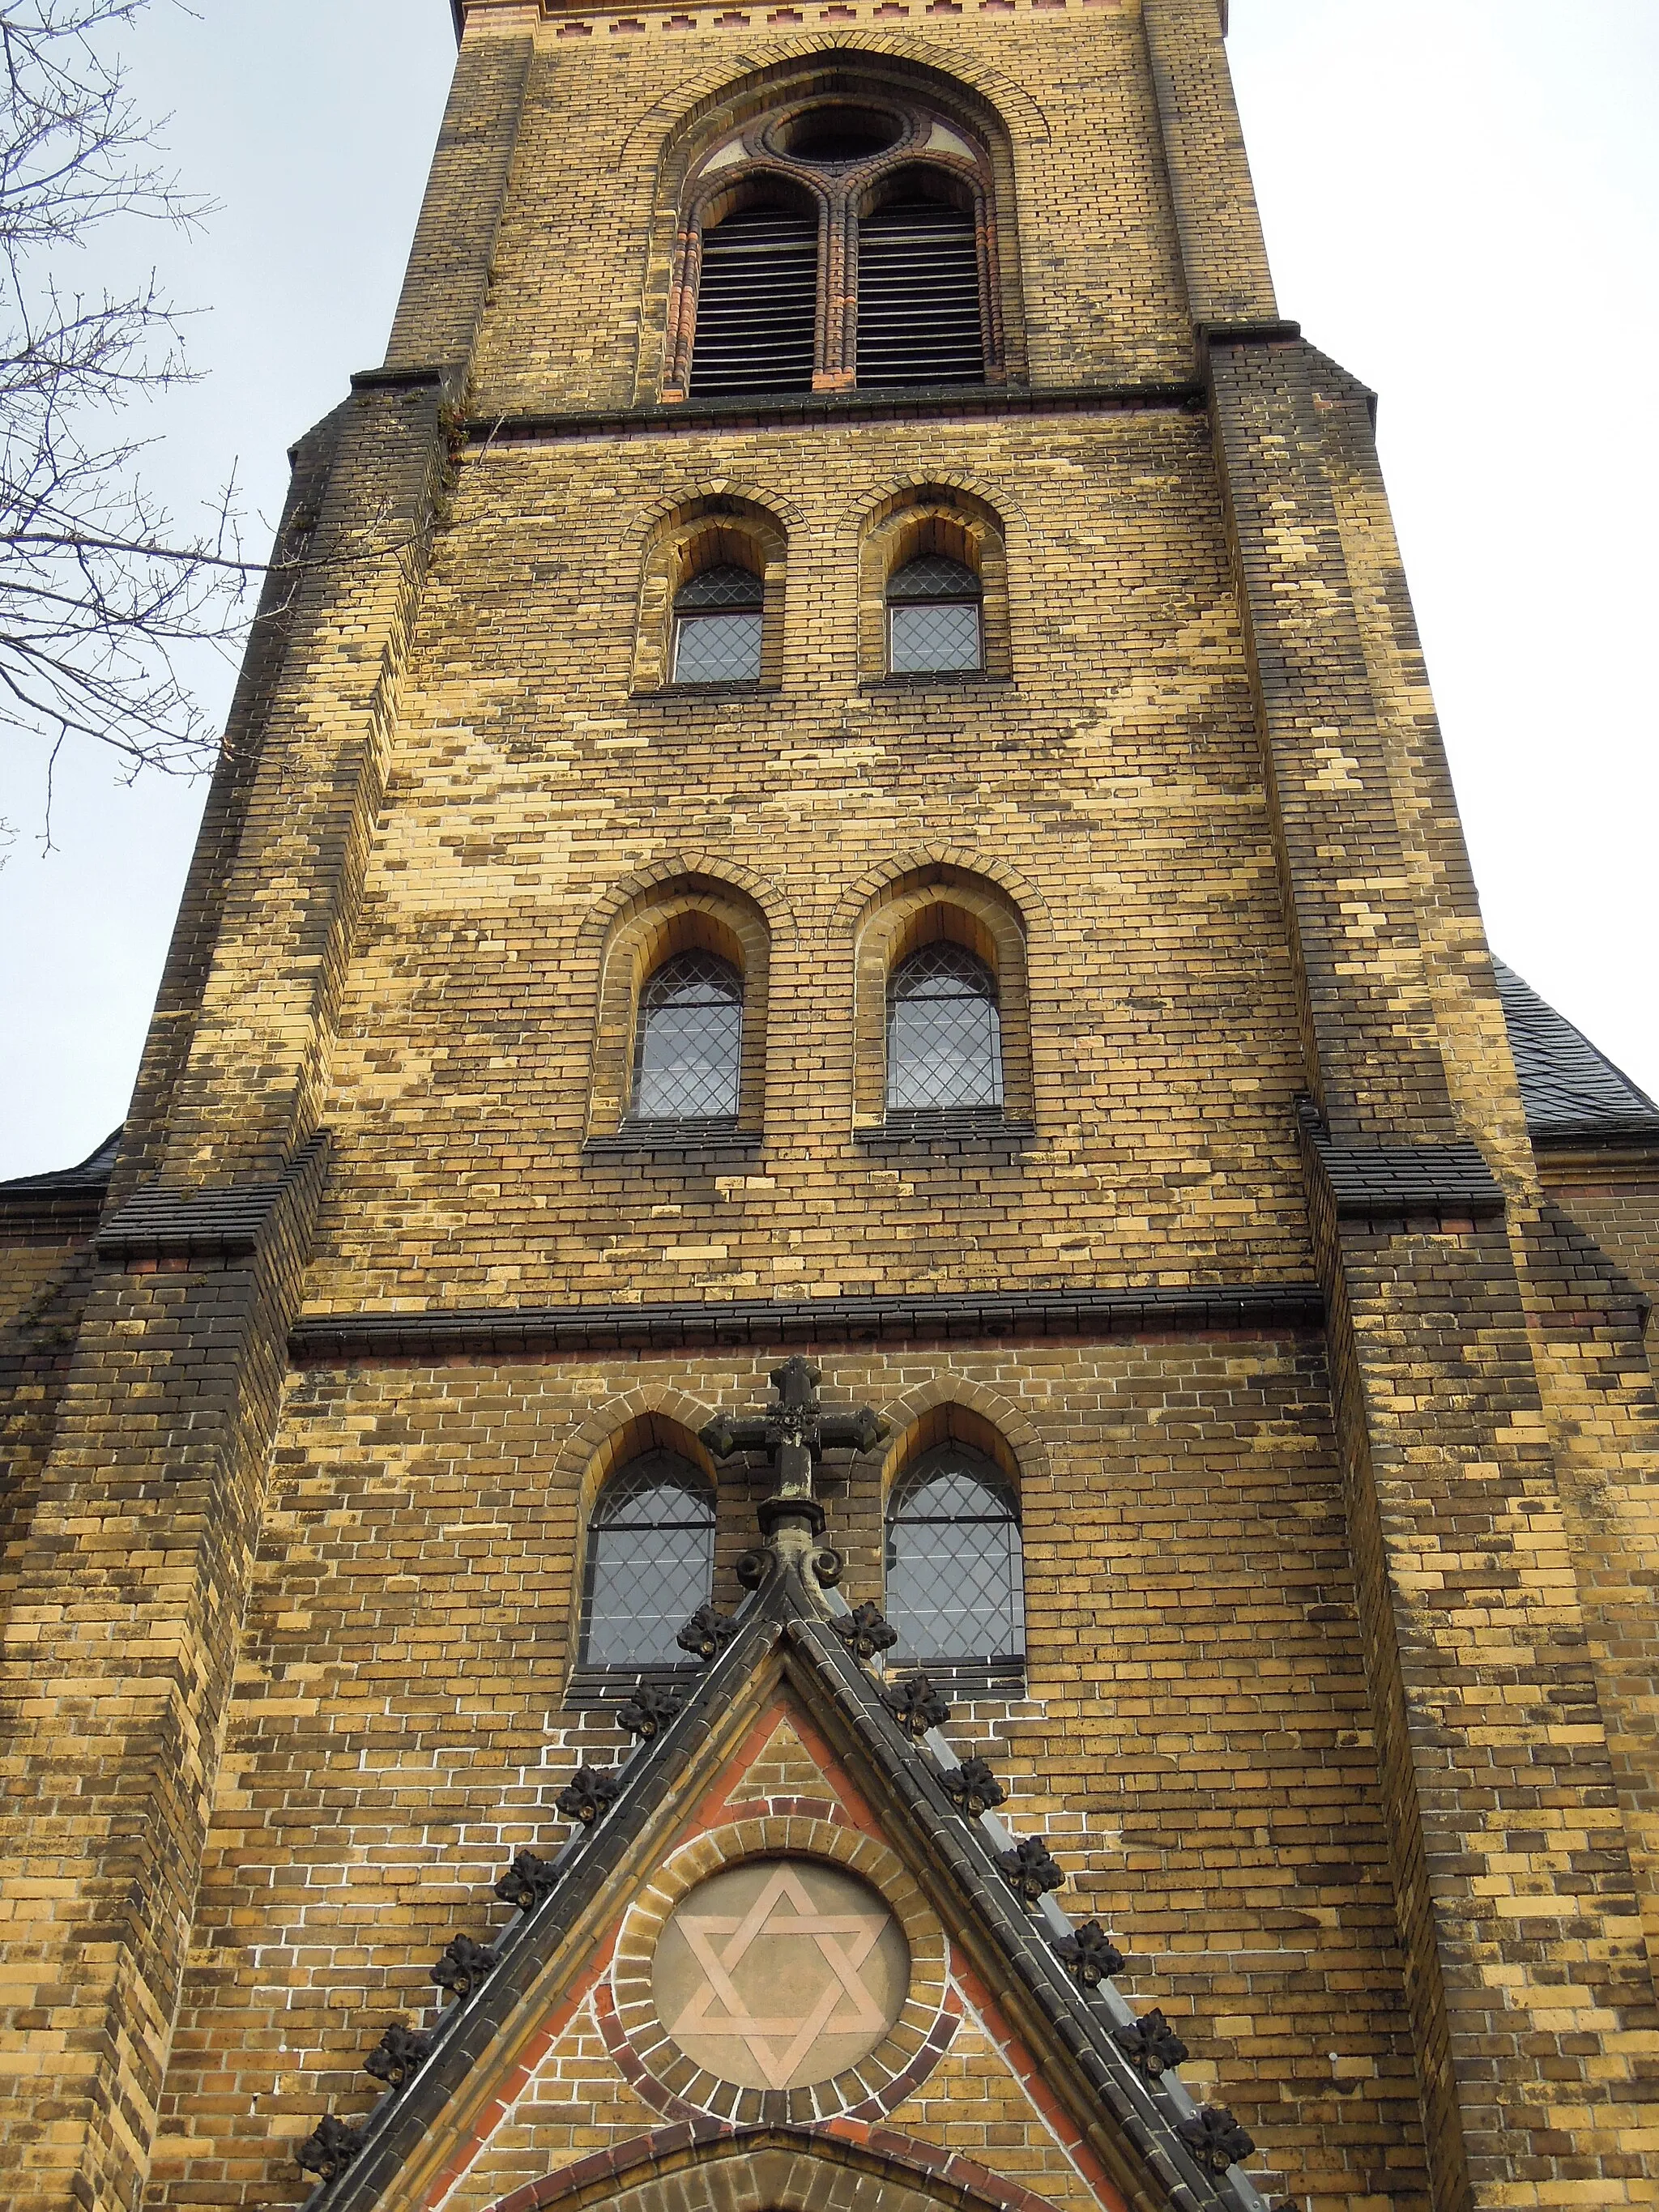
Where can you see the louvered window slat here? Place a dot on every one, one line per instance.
(919, 305)
(757, 306)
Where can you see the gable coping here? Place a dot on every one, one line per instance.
(781, 1612)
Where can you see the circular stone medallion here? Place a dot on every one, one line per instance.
(779, 1972)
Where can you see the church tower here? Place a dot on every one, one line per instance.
(833, 1431)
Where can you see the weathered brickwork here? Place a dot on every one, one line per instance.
(400, 1731)
(1341, 1703)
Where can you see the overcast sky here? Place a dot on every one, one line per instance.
(1461, 206)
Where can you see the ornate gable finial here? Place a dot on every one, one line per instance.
(792, 1433)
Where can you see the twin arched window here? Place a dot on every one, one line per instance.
(842, 241)
(955, 1572)
(944, 1038)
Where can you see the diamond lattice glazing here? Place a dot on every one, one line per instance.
(956, 1588)
(650, 1562)
(934, 640)
(687, 1053)
(717, 648)
(944, 1038)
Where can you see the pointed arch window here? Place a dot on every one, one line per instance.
(955, 1574)
(650, 1562)
(934, 618)
(719, 622)
(944, 1033)
(688, 1042)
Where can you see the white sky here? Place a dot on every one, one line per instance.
(1461, 206)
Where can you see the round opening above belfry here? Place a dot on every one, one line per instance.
(835, 135)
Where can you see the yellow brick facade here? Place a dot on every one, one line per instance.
(1328, 1413)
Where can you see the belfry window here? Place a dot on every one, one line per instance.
(650, 1562)
(933, 624)
(688, 1042)
(956, 1586)
(757, 304)
(838, 241)
(718, 627)
(918, 295)
(944, 1034)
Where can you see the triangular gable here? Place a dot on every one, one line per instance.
(789, 1758)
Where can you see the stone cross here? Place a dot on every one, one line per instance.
(792, 1433)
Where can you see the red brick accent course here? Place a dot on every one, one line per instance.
(946, 2175)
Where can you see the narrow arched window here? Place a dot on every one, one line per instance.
(718, 625)
(956, 1579)
(757, 304)
(650, 1562)
(918, 319)
(934, 623)
(687, 1040)
(944, 1036)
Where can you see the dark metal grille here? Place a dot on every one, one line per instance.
(919, 309)
(650, 1562)
(687, 1051)
(944, 1036)
(757, 300)
(932, 620)
(956, 1579)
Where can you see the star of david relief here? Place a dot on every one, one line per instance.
(779, 1972)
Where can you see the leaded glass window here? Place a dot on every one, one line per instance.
(955, 1581)
(688, 1042)
(944, 1036)
(933, 624)
(650, 1562)
(717, 627)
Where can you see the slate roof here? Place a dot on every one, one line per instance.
(1568, 1088)
(783, 1623)
(90, 1175)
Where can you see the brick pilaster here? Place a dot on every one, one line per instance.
(1528, 1975)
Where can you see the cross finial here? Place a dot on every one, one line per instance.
(794, 1431)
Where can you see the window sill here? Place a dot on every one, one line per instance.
(596, 1687)
(701, 1137)
(964, 1125)
(967, 1678)
(672, 693)
(940, 679)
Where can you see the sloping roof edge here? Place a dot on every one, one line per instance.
(961, 1851)
(1569, 1087)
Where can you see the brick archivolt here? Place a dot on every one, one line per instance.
(709, 531)
(929, 518)
(950, 1408)
(694, 914)
(939, 902)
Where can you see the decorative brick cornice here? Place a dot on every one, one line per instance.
(1399, 1182)
(534, 1331)
(812, 409)
(160, 1223)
